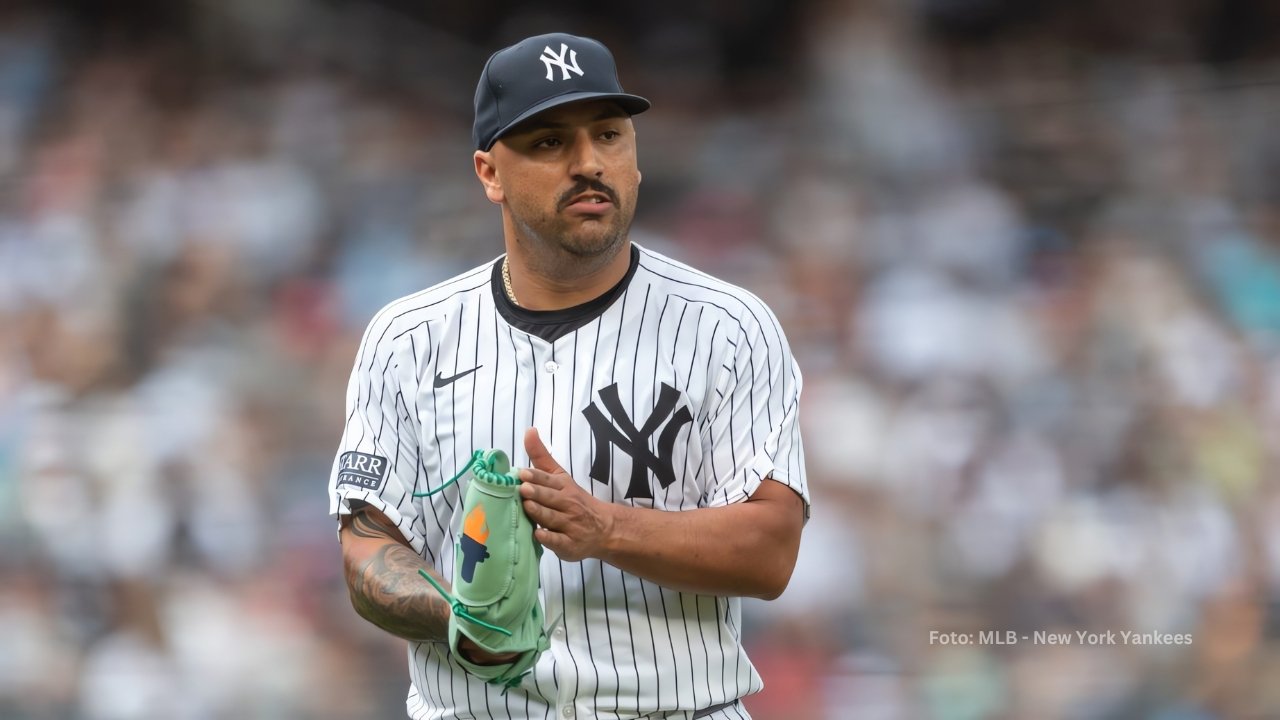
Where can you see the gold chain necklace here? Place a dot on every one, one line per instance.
(506, 282)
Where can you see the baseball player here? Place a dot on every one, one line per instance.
(650, 411)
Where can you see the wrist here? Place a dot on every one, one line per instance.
(613, 530)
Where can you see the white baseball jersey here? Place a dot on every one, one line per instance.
(672, 391)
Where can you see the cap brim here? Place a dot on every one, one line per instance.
(631, 104)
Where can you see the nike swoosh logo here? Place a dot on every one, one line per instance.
(442, 381)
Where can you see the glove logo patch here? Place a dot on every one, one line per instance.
(361, 470)
(475, 532)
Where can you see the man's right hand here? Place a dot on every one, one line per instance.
(473, 653)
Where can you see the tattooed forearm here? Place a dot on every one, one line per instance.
(388, 592)
(385, 586)
(365, 525)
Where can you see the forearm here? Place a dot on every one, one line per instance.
(383, 580)
(745, 549)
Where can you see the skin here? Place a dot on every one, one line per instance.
(560, 256)
(744, 549)
(563, 254)
(381, 570)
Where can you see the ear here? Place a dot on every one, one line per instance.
(488, 174)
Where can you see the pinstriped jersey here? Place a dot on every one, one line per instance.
(675, 391)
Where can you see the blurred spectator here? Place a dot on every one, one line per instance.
(1028, 257)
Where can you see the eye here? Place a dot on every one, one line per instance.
(610, 135)
(547, 142)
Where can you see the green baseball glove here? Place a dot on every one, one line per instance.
(495, 600)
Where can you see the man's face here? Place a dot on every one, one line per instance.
(568, 177)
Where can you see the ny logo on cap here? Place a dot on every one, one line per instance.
(549, 58)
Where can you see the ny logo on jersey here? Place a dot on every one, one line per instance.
(549, 58)
(622, 433)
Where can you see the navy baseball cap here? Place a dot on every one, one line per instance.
(540, 73)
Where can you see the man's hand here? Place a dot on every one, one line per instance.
(571, 523)
(745, 548)
(472, 652)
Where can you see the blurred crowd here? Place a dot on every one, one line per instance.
(1031, 274)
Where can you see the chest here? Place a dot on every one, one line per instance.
(620, 407)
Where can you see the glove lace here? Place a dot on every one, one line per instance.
(458, 608)
(478, 467)
(475, 460)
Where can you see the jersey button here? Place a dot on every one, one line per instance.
(567, 711)
(551, 366)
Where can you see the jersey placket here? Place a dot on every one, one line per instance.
(537, 368)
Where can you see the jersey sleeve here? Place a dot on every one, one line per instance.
(378, 459)
(754, 431)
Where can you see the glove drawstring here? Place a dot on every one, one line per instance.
(458, 608)
(512, 682)
(484, 471)
(475, 457)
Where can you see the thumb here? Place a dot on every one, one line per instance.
(539, 456)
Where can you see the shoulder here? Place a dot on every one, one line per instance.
(414, 314)
(721, 299)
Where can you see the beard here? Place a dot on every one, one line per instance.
(563, 246)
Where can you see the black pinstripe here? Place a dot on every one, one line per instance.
(717, 345)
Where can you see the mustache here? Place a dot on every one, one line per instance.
(589, 186)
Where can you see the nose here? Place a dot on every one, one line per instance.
(586, 157)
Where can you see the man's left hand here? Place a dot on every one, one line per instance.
(571, 523)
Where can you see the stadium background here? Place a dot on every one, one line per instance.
(1027, 254)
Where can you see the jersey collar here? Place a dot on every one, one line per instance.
(551, 325)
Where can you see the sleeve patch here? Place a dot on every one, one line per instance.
(362, 471)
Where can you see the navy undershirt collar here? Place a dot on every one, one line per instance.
(551, 325)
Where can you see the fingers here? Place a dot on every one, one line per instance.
(559, 543)
(544, 515)
(554, 502)
(544, 490)
(539, 456)
(539, 478)
(473, 653)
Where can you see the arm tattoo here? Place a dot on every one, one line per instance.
(387, 591)
(364, 525)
